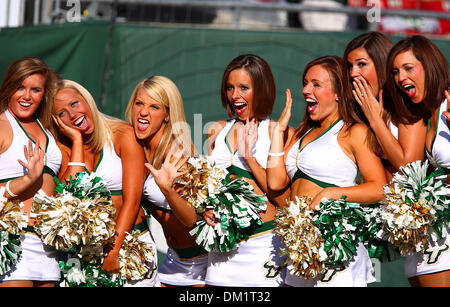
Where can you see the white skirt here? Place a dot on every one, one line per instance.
(435, 259)
(183, 272)
(358, 273)
(37, 262)
(254, 263)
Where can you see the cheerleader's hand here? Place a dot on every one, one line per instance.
(111, 262)
(447, 113)
(72, 133)
(327, 193)
(363, 93)
(35, 161)
(169, 171)
(283, 120)
(247, 138)
(209, 217)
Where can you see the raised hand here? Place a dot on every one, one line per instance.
(170, 169)
(283, 120)
(447, 113)
(35, 160)
(372, 108)
(72, 133)
(247, 137)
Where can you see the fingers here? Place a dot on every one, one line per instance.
(358, 88)
(150, 167)
(447, 115)
(447, 95)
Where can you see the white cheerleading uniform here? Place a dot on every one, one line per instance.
(323, 162)
(37, 261)
(109, 168)
(181, 267)
(256, 261)
(436, 258)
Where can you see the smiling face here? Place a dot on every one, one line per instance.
(321, 99)
(74, 111)
(25, 101)
(239, 89)
(409, 76)
(361, 64)
(149, 115)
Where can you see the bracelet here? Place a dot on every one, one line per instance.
(9, 191)
(276, 154)
(76, 164)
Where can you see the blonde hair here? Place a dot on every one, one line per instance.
(164, 91)
(104, 125)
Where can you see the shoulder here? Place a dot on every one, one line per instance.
(123, 134)
(356, 134)
(215, 127)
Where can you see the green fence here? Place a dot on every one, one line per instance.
(109, 60)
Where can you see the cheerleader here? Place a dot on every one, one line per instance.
(400, 142)
(418, 85)
(241, 146)
(91, 141)
(328, 150)
(156, 112)
(29, 158)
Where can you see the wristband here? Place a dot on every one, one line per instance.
(76, 164)
(9, 191)
(276, 154)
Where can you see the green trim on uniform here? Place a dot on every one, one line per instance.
(190, 252)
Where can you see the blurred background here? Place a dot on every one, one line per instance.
(110, 45)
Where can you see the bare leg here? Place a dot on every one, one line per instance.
(439, 279)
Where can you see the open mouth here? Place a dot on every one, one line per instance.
(82, 123)
(311, 105)
(142, 124)
(25, 104)
(240, 107)
(410, 90)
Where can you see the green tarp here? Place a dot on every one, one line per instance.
(110, 60)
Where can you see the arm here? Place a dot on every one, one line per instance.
(133, 173)
(165, 177)
(74, 154)
(277, 177)
(34, 166)
(369, 165)
(411, 139)
(246, 140)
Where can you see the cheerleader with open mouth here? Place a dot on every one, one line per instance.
(93, 142)
(418, 88)
(29, 158)
(322, 162)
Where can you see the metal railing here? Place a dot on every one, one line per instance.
(56, 11)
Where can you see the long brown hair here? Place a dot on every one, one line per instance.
(14, 76)
(264, 89)
(435, 66)
(377, 45)
(347, 106)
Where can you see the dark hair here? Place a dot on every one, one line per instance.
(17, 72)
(377, 46)
(435, 66)
(264, 90)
